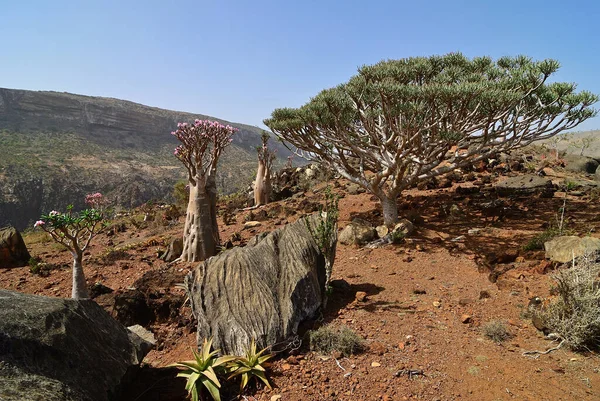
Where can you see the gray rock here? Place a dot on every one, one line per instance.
(404, 226)
(174, 251)
(524, 185)
(13, 252)
(580, 164)
(55, 349)
(142, 339)
(358, 232)
(563, 249)
(262, 291)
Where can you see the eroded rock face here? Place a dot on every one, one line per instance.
(262, 291)
(13, 252)
(563, 249)
(580, 164)
(55, 349)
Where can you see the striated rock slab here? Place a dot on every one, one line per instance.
(525, 185)
(55, 349)
(262, 291)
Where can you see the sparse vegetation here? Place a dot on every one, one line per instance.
(496, 331)
(250, 366)
(327, 339)
(574, 314)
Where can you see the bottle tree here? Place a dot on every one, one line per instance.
(262, 185)
(401, 121)
(75, 232)
(202, 143)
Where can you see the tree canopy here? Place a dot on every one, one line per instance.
(401, 121)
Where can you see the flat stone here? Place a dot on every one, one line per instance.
(563, 249)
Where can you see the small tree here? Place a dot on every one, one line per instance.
(202, 145)
(262, 185)
(75, 231)
(402, 121)
(583, 144)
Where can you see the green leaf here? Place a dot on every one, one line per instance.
(212, 389)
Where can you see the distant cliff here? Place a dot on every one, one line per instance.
(56, 147)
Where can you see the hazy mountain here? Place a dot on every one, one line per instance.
(56, 147)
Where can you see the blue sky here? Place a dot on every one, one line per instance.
(238, 60)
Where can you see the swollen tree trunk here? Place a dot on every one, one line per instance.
(201, 232)
(79, 286)
(390, 210)
(262, 185)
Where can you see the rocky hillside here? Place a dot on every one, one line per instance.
(56, 147)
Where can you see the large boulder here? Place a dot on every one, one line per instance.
(262, 291)
(563, 249)
(55, 349)
(358, 232)
(525, 185)
(580, 164)
(13, 252)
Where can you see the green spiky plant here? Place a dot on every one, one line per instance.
(251, 366)
(204, 369)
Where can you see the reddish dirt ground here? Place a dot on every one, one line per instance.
(413, 319)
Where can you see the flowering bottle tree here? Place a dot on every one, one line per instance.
(262, 185)
(75, 231)
(201, 146)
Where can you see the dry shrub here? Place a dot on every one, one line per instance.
(327, 339)
(496, 331)
(575, 313)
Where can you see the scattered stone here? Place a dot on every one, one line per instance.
(419, 291)
(276, 397)
(13, 252)
(474, 231)
(382, 231)
(354, 189)
(377, 348)
(50, 345)
(358, 232)
(262, 291)
(484, 294)
(99, 289)
(375, 364)
(465, 301)
(405, 227)
(563, 249)
(340, 284)
(437, 304)
(252, 224)
(174, 251)
(361, 296)
(466, 319)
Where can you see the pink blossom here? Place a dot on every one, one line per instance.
(39, 223)
(54, 213)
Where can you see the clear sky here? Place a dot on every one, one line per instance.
(240, 59)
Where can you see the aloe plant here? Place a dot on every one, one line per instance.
(251, 366)
(204, 370)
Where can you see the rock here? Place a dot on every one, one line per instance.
(13, 252)
(598, 174)
(466, 319)
(483, 294)
(580, 164)
(437, 304)
(358, 232)
(262, 291)
(354, 189)
(375, 364)
(252, 224)
(361, 296)
(340, 284)
(276, 397)
(404, 226)
(382, 231)
(474, 231)
(143, 340)
(99, 289)
(525, 185)
(55, 349)
(563, 249)
(174, 251)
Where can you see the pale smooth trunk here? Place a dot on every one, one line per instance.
(390, 210)
(79, 286)
(262, 185)
(201, 232)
